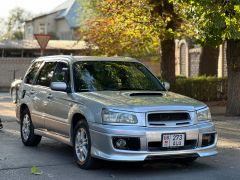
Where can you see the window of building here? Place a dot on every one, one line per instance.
(29, 30)
(42, 29)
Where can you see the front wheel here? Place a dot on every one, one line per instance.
(82, 146)
(27, 130)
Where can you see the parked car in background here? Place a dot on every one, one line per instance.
(113, 109)
(14, 89)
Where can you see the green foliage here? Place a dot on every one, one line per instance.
(129, 27)
(123, 28)
(202, 88)
(14, 26)
(35, 170)
(212, 21)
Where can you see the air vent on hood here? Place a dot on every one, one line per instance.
(145, 94)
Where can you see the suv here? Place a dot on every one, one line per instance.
(112, 108)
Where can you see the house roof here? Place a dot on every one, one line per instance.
(63, 6)
(52, 45)
(70, 10)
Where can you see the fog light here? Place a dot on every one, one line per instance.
(208, 139)
(121, 144)
(126, 143)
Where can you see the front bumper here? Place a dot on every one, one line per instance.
(102, 143)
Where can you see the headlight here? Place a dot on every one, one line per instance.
(204, 114)
(118, 117)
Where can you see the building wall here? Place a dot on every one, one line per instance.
(47, 22)
(49, 25)
(191, 59)
(194, 61)
(10, 67)
(182, 58)
(64, 32)
(222, 61)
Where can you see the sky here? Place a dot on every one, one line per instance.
(33, 6)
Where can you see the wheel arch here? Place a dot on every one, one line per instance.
(22, 108)
(77, 117)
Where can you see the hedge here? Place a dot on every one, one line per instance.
(202, 88)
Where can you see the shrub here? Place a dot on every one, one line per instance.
(202, 88)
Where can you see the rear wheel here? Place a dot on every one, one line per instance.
(27, 130)
(82, 146)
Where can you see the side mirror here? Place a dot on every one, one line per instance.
(58, 86)
(166, 85)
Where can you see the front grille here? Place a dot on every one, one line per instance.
(163, 119)
(157, 146)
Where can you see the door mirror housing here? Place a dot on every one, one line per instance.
(166, 85)
(58, 86)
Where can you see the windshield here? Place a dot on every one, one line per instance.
(113, 76)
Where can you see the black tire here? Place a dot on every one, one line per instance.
(89, 162)
(31, 139)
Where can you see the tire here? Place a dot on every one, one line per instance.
(27, 130)
(82, 146)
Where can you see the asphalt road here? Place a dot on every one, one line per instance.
(55, 159)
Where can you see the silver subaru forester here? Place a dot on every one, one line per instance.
(112, 108)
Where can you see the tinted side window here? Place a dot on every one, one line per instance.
(61, 73)
(46, 74)
(32, 72)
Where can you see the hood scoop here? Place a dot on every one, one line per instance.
(146, 94)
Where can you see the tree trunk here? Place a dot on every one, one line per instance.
(168, 44)
(209, 61)
(233, 64)
(168, 60)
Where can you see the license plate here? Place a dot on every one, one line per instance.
(173, 140)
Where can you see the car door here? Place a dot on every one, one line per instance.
(28, 93)
(59, 103)
(40, 92)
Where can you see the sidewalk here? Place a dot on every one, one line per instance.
(7, 108)
(217, 107)
(227, 126)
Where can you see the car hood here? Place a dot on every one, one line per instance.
(144, 101)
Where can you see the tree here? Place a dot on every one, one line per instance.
(135, 27)
(15, 24)
(2, 29)
(117, 30)
(215, 22)
(209, 61)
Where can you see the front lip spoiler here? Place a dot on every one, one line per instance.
(150, 158)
